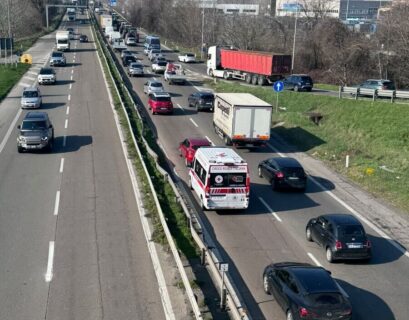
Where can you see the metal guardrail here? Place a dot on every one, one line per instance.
(236, 306)
(374, 93)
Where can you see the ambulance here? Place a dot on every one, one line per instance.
(220, 178)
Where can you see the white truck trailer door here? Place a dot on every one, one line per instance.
(242, 122)
(261, 122)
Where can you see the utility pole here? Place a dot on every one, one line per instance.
(295, 35)
(9, 25)
(346, 14)
(201, 47)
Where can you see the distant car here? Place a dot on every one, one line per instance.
(71, 32)
(304, 291)
(378, 84)
(130, 41)
(126, 53)
(188, 147)
(187, 57)
(298, 82)
(341, 235)
(201, 100)
(146, 50)
(154, 54)
(36, 132)
(127, 60)
(160, 102)
(31, 98)
(153, 86)
(46, 76)
(159, 66)
(83, 38)
(157, 59)
(57, 59)
(135, 69)
(283, 173)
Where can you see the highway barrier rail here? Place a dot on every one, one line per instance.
(209, 253)
(373, 93)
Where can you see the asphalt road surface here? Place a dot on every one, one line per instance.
(251, 239)
(71, 242)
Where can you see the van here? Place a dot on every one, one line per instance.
(220, 179)
(152, 42)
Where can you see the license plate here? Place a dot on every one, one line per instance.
(164, 108)
(218, 197)
(31, 147)
(354, 246)
(293, 178)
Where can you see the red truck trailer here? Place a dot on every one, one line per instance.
(252, 66)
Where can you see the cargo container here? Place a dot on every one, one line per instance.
(252, 66)
(105, 21)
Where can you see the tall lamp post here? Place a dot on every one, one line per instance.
(295, 35)
(201, 47)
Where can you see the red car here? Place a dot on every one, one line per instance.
(160, 102)
(189, 146)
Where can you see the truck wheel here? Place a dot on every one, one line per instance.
(254, 79)
(261, 80)
(211, 73)
(227, 141)
(248, 78)
(225, 75)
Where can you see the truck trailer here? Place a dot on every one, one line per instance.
(242, 119)
(254, 67)
(105, 21)
(62, 40)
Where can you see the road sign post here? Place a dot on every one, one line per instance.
(224, 267)
(278, 86)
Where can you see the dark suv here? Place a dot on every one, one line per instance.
(201, 100)
(298, 82)
(36, 132)
(341, 235)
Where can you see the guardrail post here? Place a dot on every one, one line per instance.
(357, 93)
(340, 92)
(203, 257)
(223, 298)
(374, 95)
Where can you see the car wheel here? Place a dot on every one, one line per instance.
(187, 164)
(308, 234)
(248, 78)
(274, 185)
(265, 285)
(190, 184)
(296, 89)
(202, 206)
(329, 255)
(227, 141)
(290, 315)
(20, 149)
(197, 107)
(211, 73)
(259, 172)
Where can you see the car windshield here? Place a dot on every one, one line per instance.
(136, 65)
(30, 94)
(324, 299)
(47, 71)
(156, 84)
(155, 51)
(224, 179)
(162, 63)
(351, 230)
(34, 125)
(57, 54)
(155, 41)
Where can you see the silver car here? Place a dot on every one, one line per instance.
(35, 132)
(154, 54)
(159, 66)
(47, 76)
(153, 86)
(135, 69)
(57, 59)
(31, 98)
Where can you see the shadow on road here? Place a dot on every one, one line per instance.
(73, 143)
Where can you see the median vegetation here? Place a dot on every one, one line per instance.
(9, 76)
(374, 134)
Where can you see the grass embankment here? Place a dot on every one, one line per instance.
(374, 134)
(324, 86)
(176, 219)
(9, 76)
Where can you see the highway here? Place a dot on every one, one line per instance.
(71, 240)
(273, 228)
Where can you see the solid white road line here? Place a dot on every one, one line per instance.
(49, 273)
(314, 259)
(62, 165)
(57, 203)
(69, 97)
(194, 122)
(66, 124)
(208, 139)
(68, 111)
(10, 130)
(64, 141)
(269, 209)
(353, 211)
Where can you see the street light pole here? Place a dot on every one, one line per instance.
(346, 15)
(9, 25)
(295, 35)
(201, 47)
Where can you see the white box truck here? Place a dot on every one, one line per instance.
(105, 21)
(62, 40)
(242, 119)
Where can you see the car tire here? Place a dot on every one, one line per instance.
(329, 255)
(308, 234)
(227, 141)
(190, 184)
(225, 75)
(265, 285)
(259, 172)
(289, 315)
(197, 107)
(274, 185)
(20, 149)
(296, 89)
(202, 206)
(187, 164)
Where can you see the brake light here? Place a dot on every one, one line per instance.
(338, 245)
(303, 312)
(279, 175)
(247, 185)
(207, 188)
(368, 244)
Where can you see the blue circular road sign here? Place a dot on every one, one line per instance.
(278, 86)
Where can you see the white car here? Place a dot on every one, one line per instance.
(187, 57)
(154, 54)
(159, 66)
(130, 41)
(153, 86)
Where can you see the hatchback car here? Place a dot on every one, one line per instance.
(127, 60)
(201, 100)
(46, 76)
(298, 82)
(154, 53)
(160, 102)
(304, 291)
(187, 57)
(31, 98)
(130, 41)
(126, 53)
(341, 235)
(283, 173)
(135, 69)
(83, 38)
(153, 86)
(57, 59)
(36, 132)
(188, 147)
(378, 84)
(159, 59)
(159, 66)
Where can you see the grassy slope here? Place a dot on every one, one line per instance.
(373, 134)
(9, 76)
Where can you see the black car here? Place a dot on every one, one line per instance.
(304, 291)
(283, 173)
(128, 59)
(341, 235)
(298, 82)
(201, 100)
(83, 38)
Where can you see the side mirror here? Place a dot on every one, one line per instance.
(313, 220)
(19, 127)
(50, 126)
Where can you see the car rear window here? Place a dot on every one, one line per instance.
(163, 99)
(156, 84)
(306, 79)
(293, 171)
(162, 63)
(325, 299)
(388, 85)
(220, 180)
(351, 230)
(190, 55)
